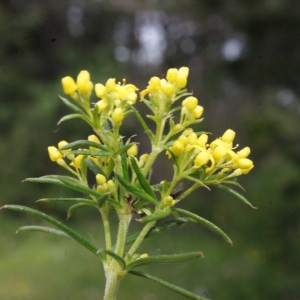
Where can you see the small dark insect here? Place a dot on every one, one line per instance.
(176, 193)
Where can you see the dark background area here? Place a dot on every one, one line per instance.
(244, 68)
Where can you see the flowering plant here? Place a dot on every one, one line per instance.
(122, 181)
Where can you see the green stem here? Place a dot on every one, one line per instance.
(104, 213)
(113, 279)
(139, 240)
(124, 221)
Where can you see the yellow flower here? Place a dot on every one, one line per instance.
(110, 85)
(100, 90)
(190, 102)
(228, 136)
(54, 153)
(85, 86)
(117, 115)
(101, 105)
(69, 86)
(202, 158)
(133, 150)
(177, 148)
(77, 161)
(198, 111)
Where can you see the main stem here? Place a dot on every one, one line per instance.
(113, 270)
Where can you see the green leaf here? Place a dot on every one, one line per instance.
(162, 259)
(204, 222)
(71, 105)
(157, 215)
(122, 149)
(68, 200)
(124, 166)
(83, 144)
(118, 258)
(74, 116)
(44, 229)
(235, 193)
(159, 228)
(70, 232)
(76, 185)
(141, 178)
(76, 207)
(65, 181)
(89, 152)
(136, 191)
(94, 167)
(141, 120)
(168, 285)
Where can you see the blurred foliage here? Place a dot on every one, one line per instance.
(244, 63)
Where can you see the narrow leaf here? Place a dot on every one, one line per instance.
(235, 193)
(89, 152)
(68, 200)
(77, 186)
(141, 178)
(123, 149)
(76, 207)
(141, 120)
(159, 228)
(83, 143)
(134, 190)
(204, 222)
(124, 165)
(70, 232)
(93, 166)
(157, 215)
(168, 285)
(74, 116)
(162, 259)
(71, 105)
(44, 229)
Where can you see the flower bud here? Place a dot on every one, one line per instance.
(202, 140)
(77, 161)
(100, 179)
(198, 111)
(228, 136)
(110, 85)
(177, 148)
(168, 201)
(118, 115)
(245, 163)
(172, 75)
(201, 159)
(190, 102)
(54, 153)
(133, 150)
(100, 90)
(62, 144)
(69, 86)
(101, 105)
(219, 153)
(244, 152)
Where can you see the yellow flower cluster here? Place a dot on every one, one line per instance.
(104, 186)
(83, 85)
(190, 110)
(57, 155)
(192, 151)
(176, 80)
(113, 99)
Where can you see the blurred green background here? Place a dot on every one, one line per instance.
(244, 67)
